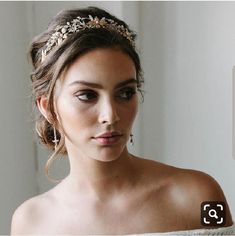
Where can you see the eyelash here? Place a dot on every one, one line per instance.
(92, 95)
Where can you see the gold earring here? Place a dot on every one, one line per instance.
(55, 140)
(132, 141)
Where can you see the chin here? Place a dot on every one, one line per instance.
(109, 154)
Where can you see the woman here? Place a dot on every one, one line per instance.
(86, 83)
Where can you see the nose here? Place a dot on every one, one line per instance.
(108, 112)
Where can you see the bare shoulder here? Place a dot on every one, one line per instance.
(197, 187)
(29, 213)
(188, 189)
(182, 191)
(191, 184)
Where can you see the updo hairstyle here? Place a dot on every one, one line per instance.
(45, 73)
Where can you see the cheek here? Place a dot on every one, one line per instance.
(74, 116)
(128, 116)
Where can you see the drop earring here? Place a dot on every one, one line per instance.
(55, 140)
(131, 141)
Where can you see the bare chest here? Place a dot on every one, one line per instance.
(137, 216)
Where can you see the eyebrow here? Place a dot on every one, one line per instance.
(98, 86)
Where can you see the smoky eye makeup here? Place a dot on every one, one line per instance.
(86, 95)
(126, 93)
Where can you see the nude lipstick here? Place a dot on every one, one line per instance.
(108, 138)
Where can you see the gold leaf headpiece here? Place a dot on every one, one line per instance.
(81, 23)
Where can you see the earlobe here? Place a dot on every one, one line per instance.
(42, 104)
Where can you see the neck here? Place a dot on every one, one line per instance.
(101, 180)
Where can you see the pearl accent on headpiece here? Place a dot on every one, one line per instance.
(81, 23)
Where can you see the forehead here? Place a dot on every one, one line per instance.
(101, 65)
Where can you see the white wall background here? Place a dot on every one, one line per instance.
(187, 51)
(17, 163)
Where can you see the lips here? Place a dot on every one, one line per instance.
(108, 138)
(109, 134)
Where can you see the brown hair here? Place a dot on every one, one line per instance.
(46, 73)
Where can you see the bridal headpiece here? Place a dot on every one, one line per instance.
(82, 23)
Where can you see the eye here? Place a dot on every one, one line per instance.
(87, 96)
(126, 93)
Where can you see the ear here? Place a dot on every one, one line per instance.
(42, 103)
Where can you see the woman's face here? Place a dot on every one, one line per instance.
(96, 102)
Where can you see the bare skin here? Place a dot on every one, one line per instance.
(159, 198)
(109, 191)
